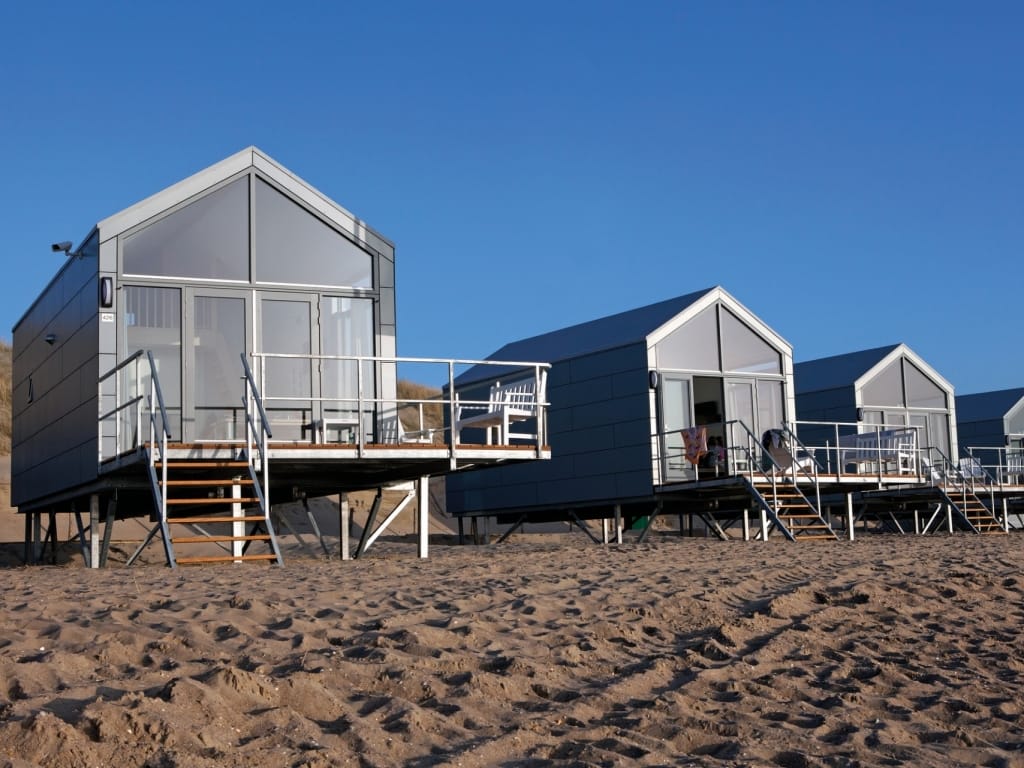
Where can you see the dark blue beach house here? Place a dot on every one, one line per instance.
(621, 388)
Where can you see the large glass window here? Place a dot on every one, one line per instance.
(922, 392)
(886, 388)
(769, 405)
(693, 346)
(294, 247)
(938, 427)
(347, 330)
(207, 239)
(743, 351)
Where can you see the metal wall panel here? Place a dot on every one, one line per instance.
(58, 424)
(597, 429)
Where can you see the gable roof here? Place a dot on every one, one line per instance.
(629, 327)
(838, 370)
(251, 157)
(985, 406)
(643, 325)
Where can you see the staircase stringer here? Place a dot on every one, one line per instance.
(773, 507)
(158, 485)
(969, 500)
(259, 471)
(769, 510)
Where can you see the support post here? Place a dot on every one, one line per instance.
(37, 537)
(344, 524)
(94, 530)
(108, 531)
(917, 522)
(82, 546)
(746, 524)
(618, 523)
(949, 517)
(238, 526)
(424, 516)
(51, 536)
(849, 516)
(1006, 517)
(764, 525)
(604, 530)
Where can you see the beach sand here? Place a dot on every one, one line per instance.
(542, 651)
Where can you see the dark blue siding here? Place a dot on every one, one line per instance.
(599, 433)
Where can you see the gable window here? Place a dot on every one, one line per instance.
(295, 247)
(206, 239)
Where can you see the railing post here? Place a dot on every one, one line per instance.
(452, 436)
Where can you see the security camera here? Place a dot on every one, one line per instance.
(62, 246)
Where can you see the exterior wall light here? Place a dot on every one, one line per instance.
(106, 292)
(50, 338)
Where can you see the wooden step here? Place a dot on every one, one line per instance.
(215, 500)
(216, 519)
(816, 536)
(190, 464)
(204, 539)
(224, 558)
(215, 482)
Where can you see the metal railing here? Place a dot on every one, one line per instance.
(1003, 466)
(130, 406)
(362, 409)
(257, 434)
(836, 445)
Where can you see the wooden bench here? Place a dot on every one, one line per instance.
(1014, 467)
(506, 404)
(390, 430)
(897, 447)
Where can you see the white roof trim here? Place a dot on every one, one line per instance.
(713, 296)
(240, 162)
(1011, 413)
(902, 350)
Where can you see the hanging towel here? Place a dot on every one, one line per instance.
(695, 442)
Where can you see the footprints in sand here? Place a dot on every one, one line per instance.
(681, 653)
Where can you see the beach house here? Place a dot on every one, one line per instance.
(213, 350)
(991, 429)
(627, 392)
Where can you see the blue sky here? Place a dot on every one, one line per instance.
(852, 172)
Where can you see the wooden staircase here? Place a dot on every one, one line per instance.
(972, 510)
(212, 502)
(790, 510)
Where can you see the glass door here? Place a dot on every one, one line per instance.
(348, 388)
(676, 415)
(152, 322)
(285, 334)
(218, 324)
(743, 429)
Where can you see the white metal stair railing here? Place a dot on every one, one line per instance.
(776, 491)
(962, 486)
(156, 457)
(258, 434)
(959, 492)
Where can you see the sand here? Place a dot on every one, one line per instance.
(543, 651)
